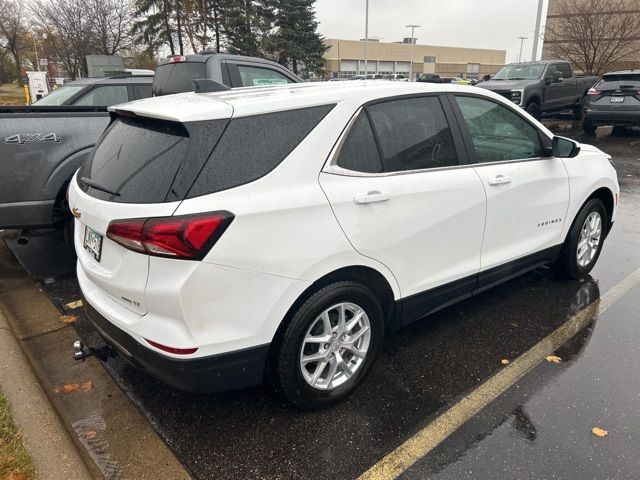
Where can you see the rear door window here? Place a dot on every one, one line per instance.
(104, 96)
(142, 90)
(177, 77)
(413, 134)
(253, 146)
(261, 77)
(359, 152)
(150, 161)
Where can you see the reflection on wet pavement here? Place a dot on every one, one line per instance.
(535, 430)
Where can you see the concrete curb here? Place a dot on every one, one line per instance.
(110, 433)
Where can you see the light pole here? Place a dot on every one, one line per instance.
(522, 39)
(534, 55)
(412, 27)
(366, 37)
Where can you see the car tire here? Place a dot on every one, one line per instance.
(533, 109)
(578, 109)
(316, 331)
(583, 245)
(589, 128)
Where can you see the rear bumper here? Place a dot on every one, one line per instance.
(212, 374)
(598, 117)
(26, 214)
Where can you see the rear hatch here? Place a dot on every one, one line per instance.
(141, 168)
(620, 92)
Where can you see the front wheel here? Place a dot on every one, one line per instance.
(533, 109)
(330, 345)
(582, 248)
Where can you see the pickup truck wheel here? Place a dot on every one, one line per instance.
(589, 128)
(329, 346)
(533, 109)
(583, 245)
(578, 109)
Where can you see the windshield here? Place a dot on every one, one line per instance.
(520, 72)
(60, 95)
(619, 82)
(177, 77)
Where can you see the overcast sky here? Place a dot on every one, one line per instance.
(494, 24)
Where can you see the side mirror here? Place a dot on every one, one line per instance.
(565, 148)
(548, 81)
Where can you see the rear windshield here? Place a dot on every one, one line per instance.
(177, 77)
(619, 82)
(149, 161)
(154, 161)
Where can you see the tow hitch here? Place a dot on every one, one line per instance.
(103, 353)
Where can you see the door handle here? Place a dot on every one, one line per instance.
(371, 197)
(499, 180)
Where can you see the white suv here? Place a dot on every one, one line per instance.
(283, 230)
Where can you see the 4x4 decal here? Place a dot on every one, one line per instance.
(22, 138)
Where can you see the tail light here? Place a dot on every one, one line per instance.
(187, 237)
(174, 350)
(594, 92)
(177, 59)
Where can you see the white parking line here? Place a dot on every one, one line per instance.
(419, 445)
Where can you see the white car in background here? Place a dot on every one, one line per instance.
(283, 230)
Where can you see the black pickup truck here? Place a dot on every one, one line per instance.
(42, 146)
(542, 87)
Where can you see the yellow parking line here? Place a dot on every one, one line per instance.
(416, 447)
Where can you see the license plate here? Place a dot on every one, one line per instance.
(93, 243)
(617, 99)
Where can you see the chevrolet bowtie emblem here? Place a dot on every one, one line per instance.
(76, 213)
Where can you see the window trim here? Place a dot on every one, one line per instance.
(466, 134)
(331, 165)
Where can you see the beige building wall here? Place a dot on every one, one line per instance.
(449, 61)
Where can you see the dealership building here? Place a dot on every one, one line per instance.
(346, 58)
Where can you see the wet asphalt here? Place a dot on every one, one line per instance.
(540, 428)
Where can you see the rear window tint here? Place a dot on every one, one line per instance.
(359, 152)
(149, 161)
(177, 77)
(617, 82)
(253, 146)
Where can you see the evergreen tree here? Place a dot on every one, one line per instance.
(300, 45)
(248, 26)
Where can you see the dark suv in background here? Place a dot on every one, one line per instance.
(614, 100)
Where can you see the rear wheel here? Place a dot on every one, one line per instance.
(330, 345)
(589, 127)
(533, 109)
(582, 248)
(578, 109)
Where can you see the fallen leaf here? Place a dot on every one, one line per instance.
(74, 387)
(72, 305)
(504, 361)
(515, 325)
(599, 432)
(89, 434)
(68, 318)
(553, 359)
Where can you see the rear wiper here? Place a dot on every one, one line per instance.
(97, 186)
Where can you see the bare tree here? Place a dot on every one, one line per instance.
(69, 31)
(13, 32)
(111, 22)
(594, 35)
